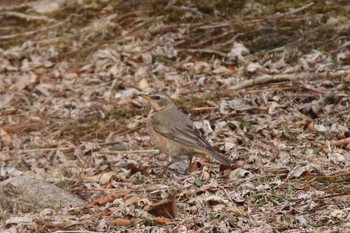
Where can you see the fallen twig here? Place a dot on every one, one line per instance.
(43, 149)
(229, 42)
(210, 51)
(279, 49)
(287, 77)
(339, 143)
(203, 109)
(292, 12)
(217, 25)
(30, 33)
(126, 151)
(175, 229)
(189, 9)
(119, 134)
(26, 17)
(151, 31)
(199, 44)
(336, 195)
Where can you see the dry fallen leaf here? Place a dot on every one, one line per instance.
(339, 143)
(123, 222)
(165, 208)
(106, 178)
(164, 221)
(132, 200)
(5, 137)
(143, 85)
(105, 199)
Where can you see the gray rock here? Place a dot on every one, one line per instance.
(28, 195)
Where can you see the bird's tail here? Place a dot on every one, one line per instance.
(219, 157)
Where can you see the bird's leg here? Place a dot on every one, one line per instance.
(175, 159)
(166, 168)
(172, 160)
(190, 158)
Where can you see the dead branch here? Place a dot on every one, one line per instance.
(189, 9)
(229, 42)
(336, 195)
(30, 33)
(126, 152)
(339, 143)
(26, 17)
(288, 77)
(213, 38)
(151, 31)
(204, 109)
(279, 49)
(213, 26)
(43, 150)
(210, 51)
(292, 12)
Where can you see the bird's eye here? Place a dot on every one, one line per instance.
(157, 97)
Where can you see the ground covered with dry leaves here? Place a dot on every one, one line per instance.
(267, 82)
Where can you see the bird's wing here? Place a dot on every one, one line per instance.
(186, 134)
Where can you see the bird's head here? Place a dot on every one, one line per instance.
(158, 100)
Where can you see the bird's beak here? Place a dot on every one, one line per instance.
(145, 96)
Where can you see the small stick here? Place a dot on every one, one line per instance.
(210, 51)
(43, 149)
(26, 17)
(213, 38)
(292, 12)
(336, 195)
(119, 134)
(127, 151)
(30, 33)
(343, 142)
(287, 77)
(203, 108)
(175, 229)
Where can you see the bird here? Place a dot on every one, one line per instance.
(174, 133)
